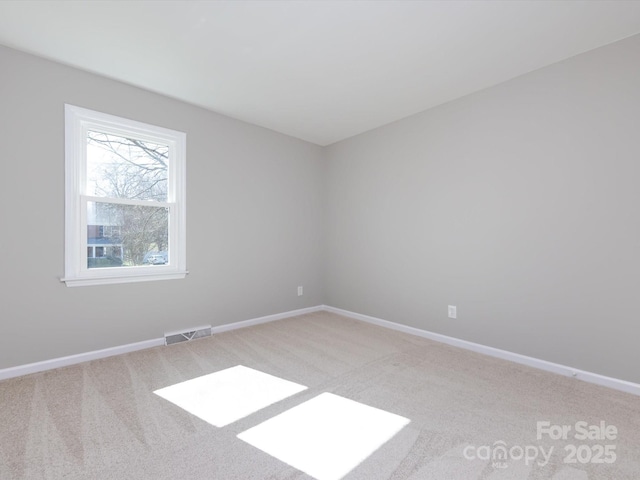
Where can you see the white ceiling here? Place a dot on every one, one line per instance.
(321, 71)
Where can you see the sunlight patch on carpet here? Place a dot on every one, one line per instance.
(223, 397)
(325, 437)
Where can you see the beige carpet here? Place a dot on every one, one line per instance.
(101, 420)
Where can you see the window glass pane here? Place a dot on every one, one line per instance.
(126, 235)
(120, 167)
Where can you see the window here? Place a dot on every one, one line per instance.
(125, 200)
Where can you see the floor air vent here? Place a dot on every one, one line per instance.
(185, 336)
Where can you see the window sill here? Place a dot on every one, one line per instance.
(109, 280)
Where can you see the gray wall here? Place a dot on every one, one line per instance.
(519, 204)
(254, 220)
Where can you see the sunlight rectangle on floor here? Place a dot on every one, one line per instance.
(325, 437)
(223, 397)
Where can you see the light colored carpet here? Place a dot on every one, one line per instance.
(101, 419)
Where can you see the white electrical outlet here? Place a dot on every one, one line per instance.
(299, 291)
(453, 312)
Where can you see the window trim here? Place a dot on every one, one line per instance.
(77, 122)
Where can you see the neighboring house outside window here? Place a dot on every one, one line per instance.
(125, 200)
(104, 246)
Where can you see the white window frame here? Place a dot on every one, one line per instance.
(78, 121)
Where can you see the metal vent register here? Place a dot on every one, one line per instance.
(187, 335)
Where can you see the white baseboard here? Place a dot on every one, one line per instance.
(268, 318)
(132, 347)
(590, 377)
(79, 358)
